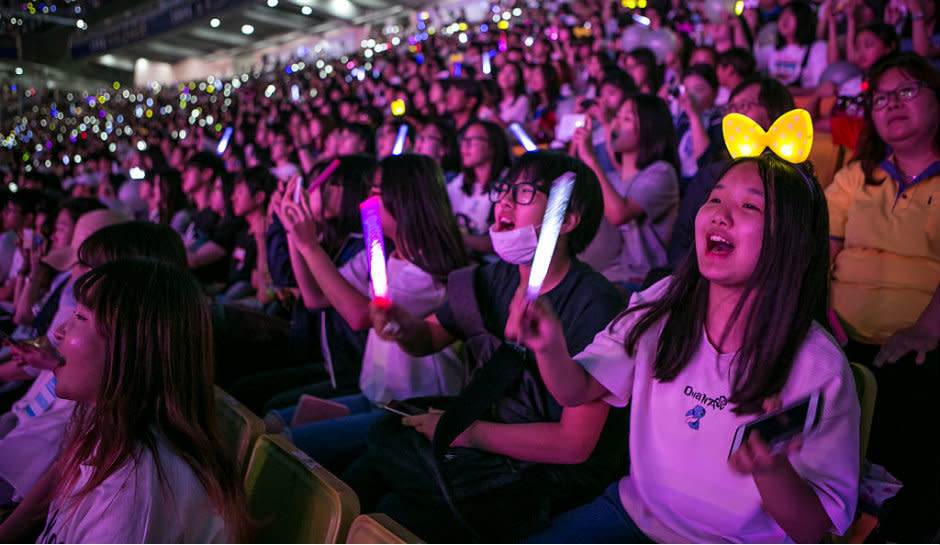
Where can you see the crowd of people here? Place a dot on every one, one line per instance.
(160, 240)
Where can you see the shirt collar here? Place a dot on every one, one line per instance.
(891, 169)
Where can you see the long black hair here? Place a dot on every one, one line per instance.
(786, 291)
(415, 194)
(351, 177)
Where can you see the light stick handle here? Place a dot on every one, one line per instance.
(555, 210)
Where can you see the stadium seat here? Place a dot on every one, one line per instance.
(240, 427)
(293, 498)
(826, 157)
(379, 528)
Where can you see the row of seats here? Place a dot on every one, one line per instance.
(295, 500)
(292, 497)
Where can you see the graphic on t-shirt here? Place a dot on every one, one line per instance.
(693, 416)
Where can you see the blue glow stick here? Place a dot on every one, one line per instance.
(400, 140)
(551, 227)
(522, 137)
(223, 142)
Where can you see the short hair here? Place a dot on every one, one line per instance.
(740, 60)
(27, 200)
(78, 207)
(207, 160)
(587, 201)
(773, 95)
(133, 239)
(259, 180)
(619, 79)
(469, 88)
(363, 132)
(704, 71)
(654, 71)
(885, 33)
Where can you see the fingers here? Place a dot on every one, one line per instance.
(772, 403)
(921, 356)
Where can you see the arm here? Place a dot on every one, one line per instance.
(920, 39)
(536, 326)
(569, 441)
(33, 510)
(832, 41)
(785, 496)
(618, 210)
(205, 254)
(352, 305)
(922, 337)
(310, 292)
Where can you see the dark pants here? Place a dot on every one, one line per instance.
(906, 441)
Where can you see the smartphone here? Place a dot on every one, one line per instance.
(402, 408)
(778, 428)
(567, 126)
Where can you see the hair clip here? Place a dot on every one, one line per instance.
(790, 136)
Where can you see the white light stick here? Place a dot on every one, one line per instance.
(486, 63)
(223, 142)
(522, 137)
(551, 226)
(294, 93)
(400, 140)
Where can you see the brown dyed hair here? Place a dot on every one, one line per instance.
(156, 386)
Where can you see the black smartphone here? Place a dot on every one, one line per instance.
(402, 408)
(778, 428)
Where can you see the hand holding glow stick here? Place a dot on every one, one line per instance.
(555, 210)
(400, 140)
(522, 137)
(370, 211)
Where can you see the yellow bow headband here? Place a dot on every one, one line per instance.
(790, 137)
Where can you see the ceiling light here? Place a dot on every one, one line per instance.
(247, 30)
(215, 22)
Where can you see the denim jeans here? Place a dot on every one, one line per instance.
(604, 520)
(336, 442)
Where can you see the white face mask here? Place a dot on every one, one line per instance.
(516, 246)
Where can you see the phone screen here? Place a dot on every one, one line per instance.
(780, 426)
(403, 408)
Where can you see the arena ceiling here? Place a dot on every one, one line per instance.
(102, 39)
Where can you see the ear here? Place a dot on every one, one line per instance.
(259, 198)
(572, 220)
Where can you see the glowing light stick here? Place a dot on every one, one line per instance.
(400, 140)
(458, 69)
(327, 172)
(369, 210)
(486, 63)
(522, 137)
(551, 226)
(223, 142)
(294, 93)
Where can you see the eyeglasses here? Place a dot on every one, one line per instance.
(903, 93)
(523, 193)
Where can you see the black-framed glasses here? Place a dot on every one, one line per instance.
(523, 193)
(738, 108)
(902, 93)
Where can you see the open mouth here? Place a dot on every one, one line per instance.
(718, 245)
(504, 224)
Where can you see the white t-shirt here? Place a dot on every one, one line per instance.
(656, 188)
(472, 211)
(681, 488)
(134, 506)
(33, 443)
(786, 64)
(515, 110)
(387, 371)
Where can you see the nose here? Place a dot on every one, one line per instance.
(721, 215)
(59, 333)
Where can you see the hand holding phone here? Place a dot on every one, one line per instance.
(402, 408)
(779, 427)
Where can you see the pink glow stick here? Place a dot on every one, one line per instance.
(330, 168)
(370, 211)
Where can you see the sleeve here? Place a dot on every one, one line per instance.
(226, 234)
(279, 265)
(829, 459)
(815, 65)
(114, 512)
(606, 360)
(839, 196)
(518, 111)
(656, 188)
(356, 272)
(445, 317)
